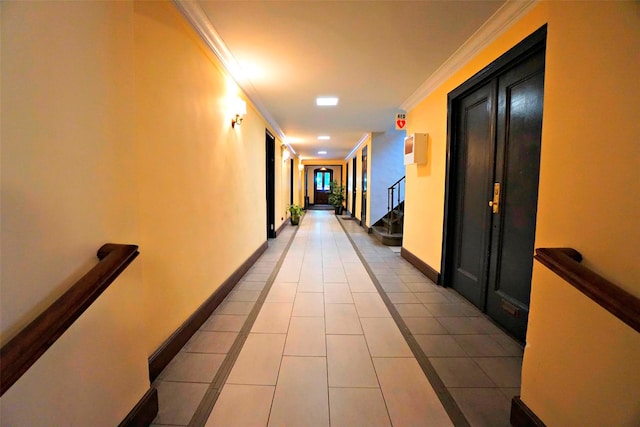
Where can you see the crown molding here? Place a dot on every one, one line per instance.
(358, 145)
(201, 23)
(499, 22)
(496, 25)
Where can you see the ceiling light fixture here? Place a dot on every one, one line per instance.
(322, 152)
(326, 101)
(324, 137)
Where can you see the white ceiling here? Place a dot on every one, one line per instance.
(373, 55)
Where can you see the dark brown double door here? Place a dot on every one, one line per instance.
(492, 185)
(322, 179)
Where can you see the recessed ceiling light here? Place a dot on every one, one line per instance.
(324, 101)
(324, 137)
(322, 152)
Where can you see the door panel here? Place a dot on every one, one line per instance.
(347, 194)
(291, 167)
(363, 209)
(270, 168)
(354, 188)
(519, 132)
(473, 186)
(322, 186)
(496, 131)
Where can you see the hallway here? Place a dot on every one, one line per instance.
(312, 335)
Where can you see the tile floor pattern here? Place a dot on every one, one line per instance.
(325, 350)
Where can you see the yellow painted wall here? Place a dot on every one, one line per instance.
(590, 148)
(588, 181)
(116, 127)
(578, 101)
(201, 181)
(68, 187)
(582, 364)
(586, 201)
(425, 183)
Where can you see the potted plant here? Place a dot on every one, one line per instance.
(296, 213)
(336, 196)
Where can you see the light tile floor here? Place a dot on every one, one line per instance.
(325, 349)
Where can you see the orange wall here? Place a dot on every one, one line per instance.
(579, 102)
(582, 364)
(117, 128)
(589, 180)
(590, 149)
(201, 181)
(69, 186)
(588, 176)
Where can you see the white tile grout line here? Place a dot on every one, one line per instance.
(207, 403)
(450, 405)
(205, 408)
(386, 406)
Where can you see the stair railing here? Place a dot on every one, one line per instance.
(395, 196)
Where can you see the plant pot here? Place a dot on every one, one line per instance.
(338, 210)
(295, 220)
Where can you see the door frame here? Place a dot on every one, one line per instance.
(365, 187)
(354, 191)
(322, 170)
(291, 166)
(311, 166)
(346, 184)
(527, 47)
(270, 182)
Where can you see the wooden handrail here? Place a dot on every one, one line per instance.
(565, 262)
(23, 350)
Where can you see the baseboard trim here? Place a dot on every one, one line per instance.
(144, 412)
(425, 268)
(522, 415)
(167, 351)
(283, 225)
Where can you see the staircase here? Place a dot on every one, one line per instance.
(390, 227)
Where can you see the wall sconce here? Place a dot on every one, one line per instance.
(285, 155)
(239, 109)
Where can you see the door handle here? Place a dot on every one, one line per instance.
(495, 203)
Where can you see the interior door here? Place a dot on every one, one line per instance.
(474, 182)
(363, 213)
(347, 195)
(492, 189)
(322, 186)
(353, 187)
(519, 131)
(291, 165)
(270, 167)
